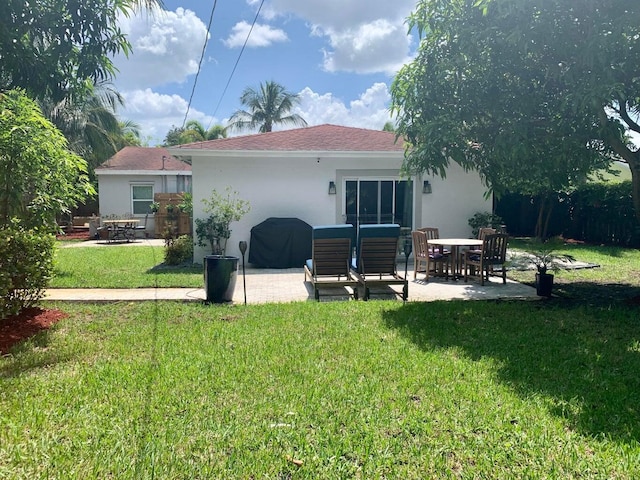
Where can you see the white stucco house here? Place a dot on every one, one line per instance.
(128, 181)
(328, 174)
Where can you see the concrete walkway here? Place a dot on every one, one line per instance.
(288, 285)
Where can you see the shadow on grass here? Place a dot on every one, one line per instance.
(596, 294)
(584, 359)
(186, 268)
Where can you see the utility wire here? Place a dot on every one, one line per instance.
(237, 61)
(204, 47)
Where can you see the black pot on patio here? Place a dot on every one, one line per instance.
(220, 274)
(544, 284)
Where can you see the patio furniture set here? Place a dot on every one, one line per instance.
(120, 229)
(333, 263)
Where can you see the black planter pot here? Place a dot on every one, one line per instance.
(544, 284)
(220, 274)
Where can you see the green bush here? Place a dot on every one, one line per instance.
(484, 220)
(178, 250)
(26, 265)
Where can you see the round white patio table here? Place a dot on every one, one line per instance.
(455, 244)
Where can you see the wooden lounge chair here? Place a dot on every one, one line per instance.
(329, 265)
(376, 255)
(492, 255)
(427, 258)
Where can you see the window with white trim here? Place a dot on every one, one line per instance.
(141, 198)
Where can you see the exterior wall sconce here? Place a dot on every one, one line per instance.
(426, 187)
(332, 188)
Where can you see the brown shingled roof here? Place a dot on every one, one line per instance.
(317, 138)
(144, 158)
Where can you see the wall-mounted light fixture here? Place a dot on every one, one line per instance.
(332, 188)
(426, 187)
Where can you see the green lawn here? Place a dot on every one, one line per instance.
(376, 389)
(348, 389)
(120, 267)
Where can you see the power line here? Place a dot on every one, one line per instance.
(204, 47)
(237, 61)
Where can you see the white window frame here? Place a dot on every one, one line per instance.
(133, 200)
(365, 178)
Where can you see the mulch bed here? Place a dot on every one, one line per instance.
(27, 323)
(79, 235)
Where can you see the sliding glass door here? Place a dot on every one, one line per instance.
(379, 201)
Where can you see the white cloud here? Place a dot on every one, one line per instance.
(341, 14)
(166, 48)
(370, 110)
(157, 113)
(365, 36)
(261, 35)
(372, 47)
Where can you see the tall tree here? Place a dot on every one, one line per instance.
(193, 131)
(40, 177)
(270, 105)
(173, 136)
(90, 124)
(56, 49)
(534, 94)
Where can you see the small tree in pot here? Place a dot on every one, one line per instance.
(220, 271)
(215, 230)
(544, 260)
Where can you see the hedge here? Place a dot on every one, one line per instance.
(599, 213)
(26, 265)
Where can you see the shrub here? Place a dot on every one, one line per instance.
(484, 220)
(178, 250)
(26, 265)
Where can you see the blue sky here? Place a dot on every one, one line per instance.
(339, 55)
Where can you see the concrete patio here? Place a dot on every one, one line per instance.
(288, 285)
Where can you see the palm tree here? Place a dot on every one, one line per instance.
(90, 124)
(216, 131)
(268, 106)
(194, 131)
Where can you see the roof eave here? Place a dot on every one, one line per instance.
(155, 173)
(199, 152)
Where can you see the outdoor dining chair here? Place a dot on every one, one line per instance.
(427, 258)
(330, 262)
(492, 255)
(142, 227)
(482, 232)
(376, 256)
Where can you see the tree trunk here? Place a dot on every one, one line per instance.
(540, 230)
(631, 157)
(545, 228)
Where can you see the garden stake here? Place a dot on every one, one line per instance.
(243, 248)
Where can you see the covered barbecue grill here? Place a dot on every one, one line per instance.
(280, 243)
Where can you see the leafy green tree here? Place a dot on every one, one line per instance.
(129, 134)
(173, 136)
(91, 126)
(534, 94)
(40, 178)
(389, 127)
(193, 131)
(58, 49)
(216, 131)
(270, 105)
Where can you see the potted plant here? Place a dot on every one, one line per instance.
(544, 260)
(154, 207)
(220, 271)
